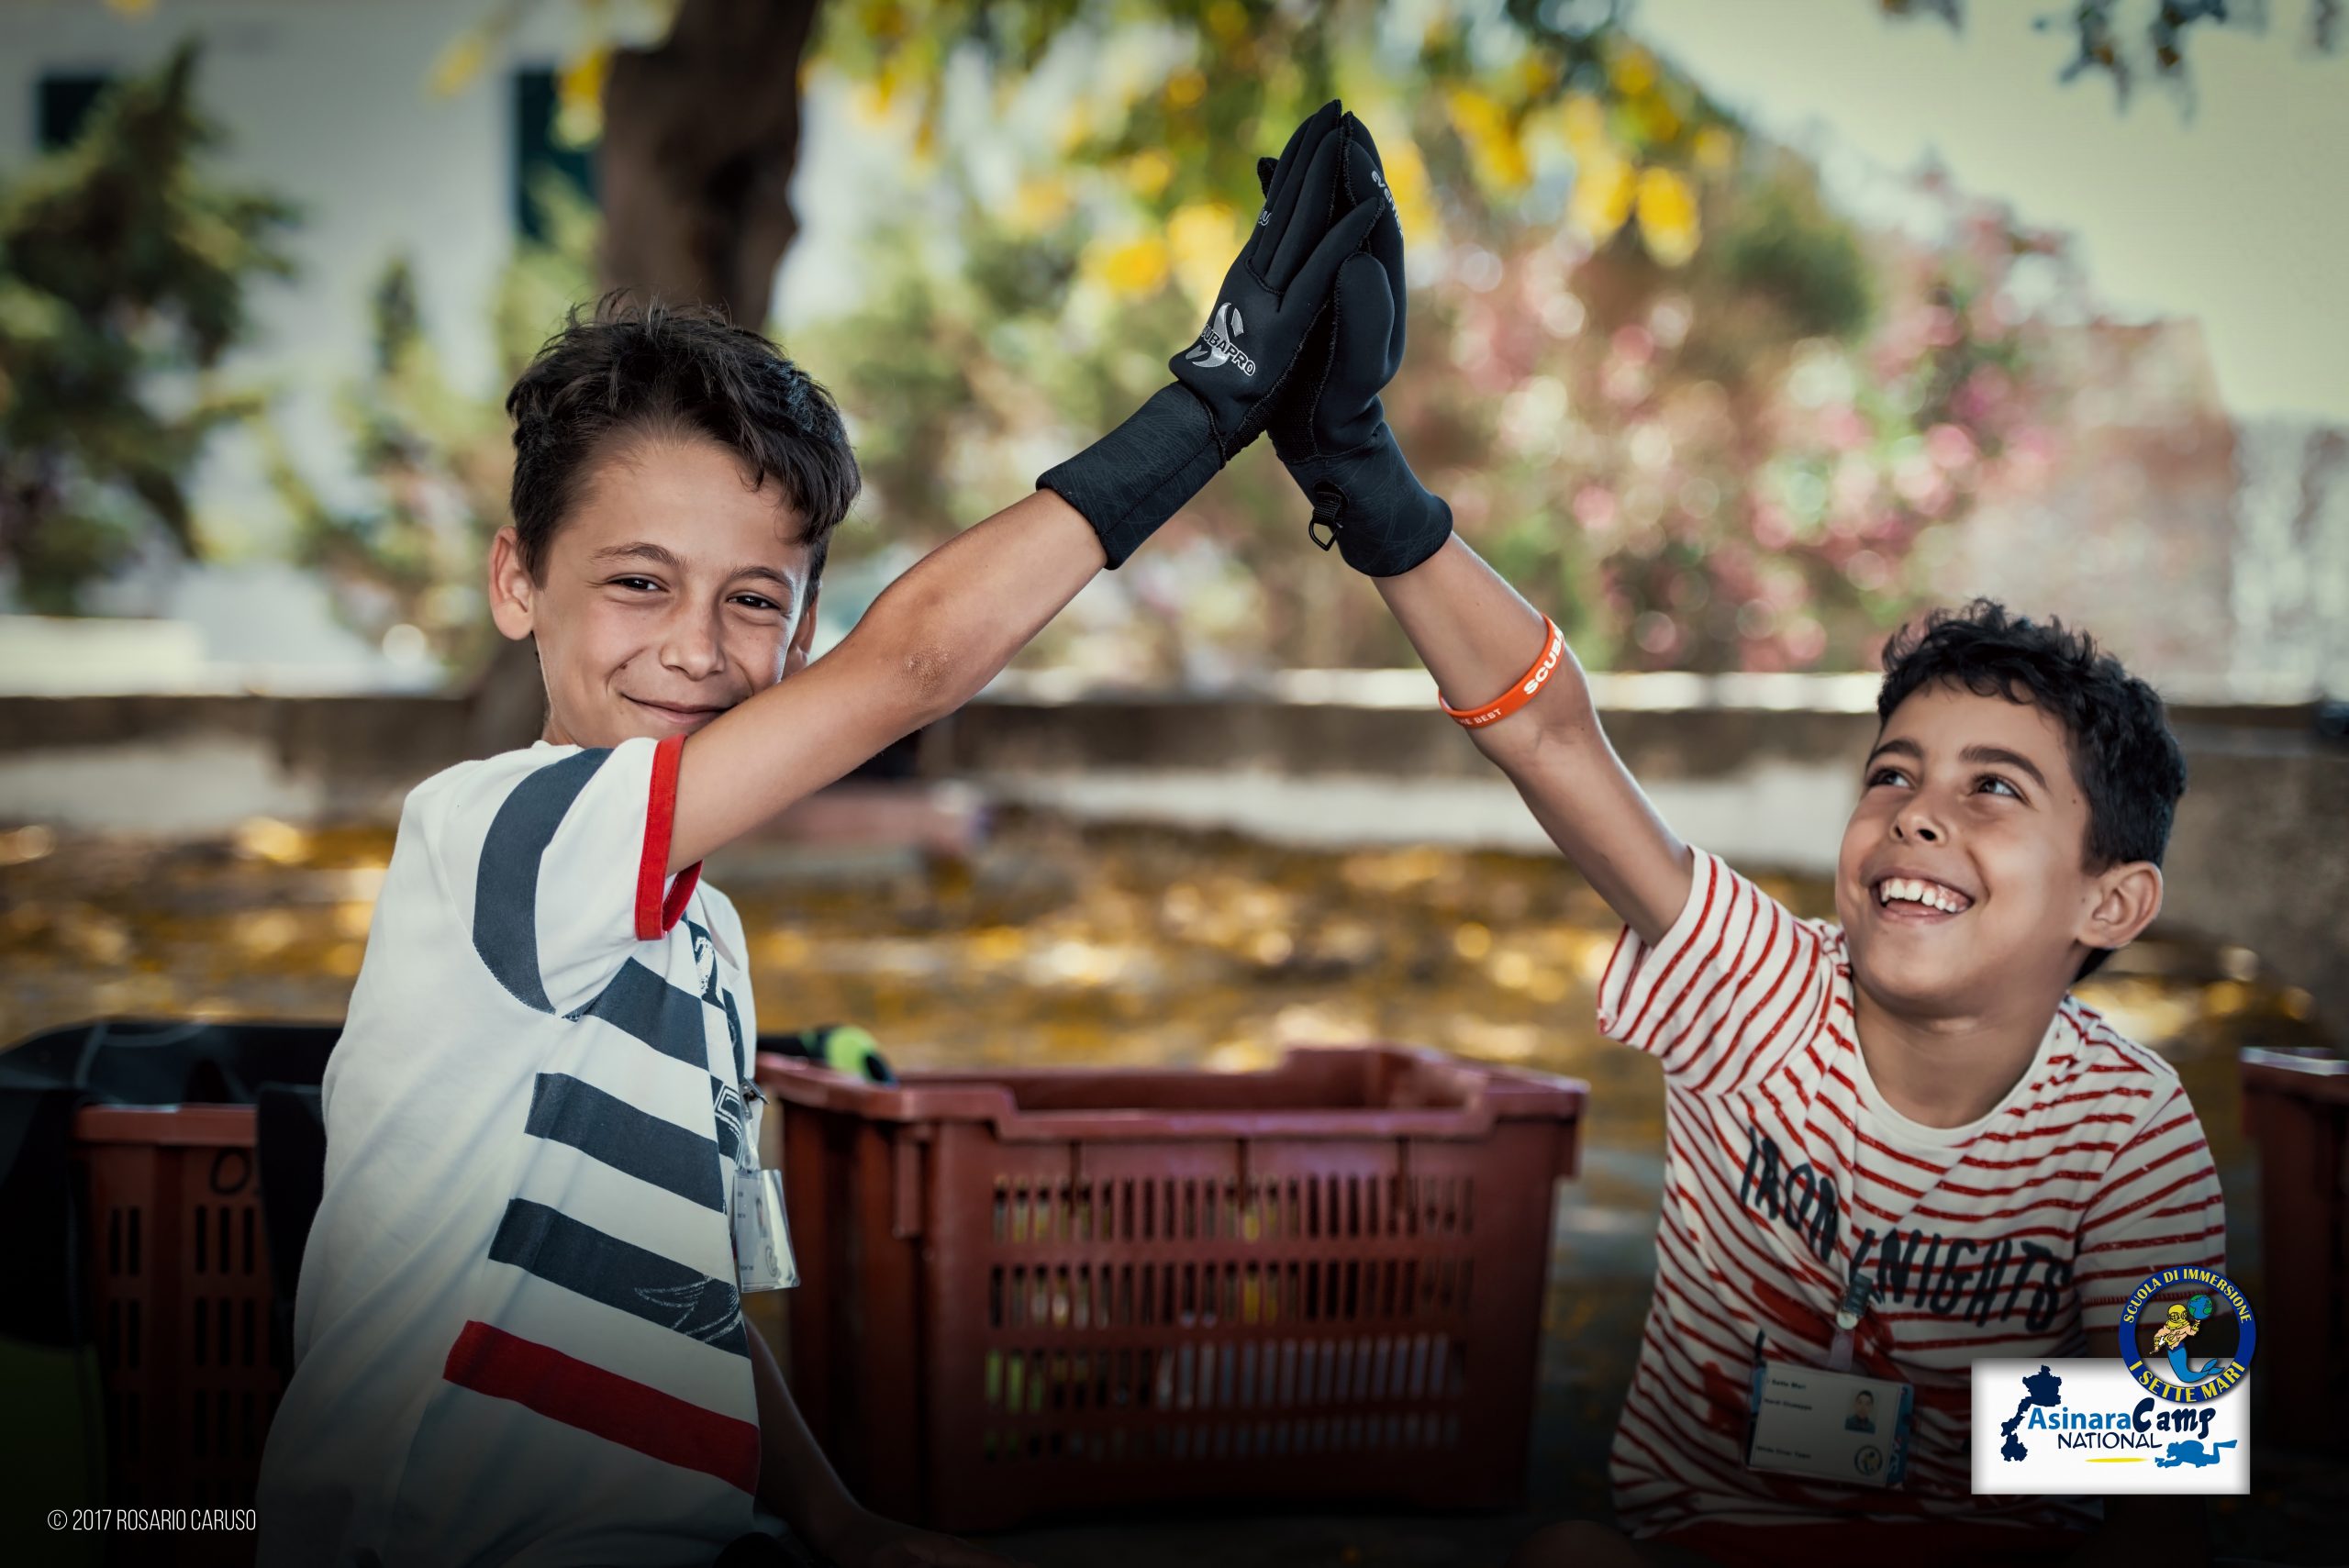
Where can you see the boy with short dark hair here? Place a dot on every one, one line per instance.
(519, 1333)
(1895, 1144)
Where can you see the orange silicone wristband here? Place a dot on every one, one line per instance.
(1553, 649)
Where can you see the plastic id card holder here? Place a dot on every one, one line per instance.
(1834, 1426)
(762, 1259)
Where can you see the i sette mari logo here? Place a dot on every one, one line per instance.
(2216, 1323)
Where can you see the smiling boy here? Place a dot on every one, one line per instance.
(518, 1336)
(1902, 1116)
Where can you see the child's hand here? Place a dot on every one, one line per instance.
(1279, 285)
(1135, 477)
(1329, 425)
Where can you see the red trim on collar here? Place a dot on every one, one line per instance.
(656, 916)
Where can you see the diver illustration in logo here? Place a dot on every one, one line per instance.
(2180, 1328)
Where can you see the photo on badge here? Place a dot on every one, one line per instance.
(1837, 1426)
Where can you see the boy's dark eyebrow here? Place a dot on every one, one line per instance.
(646, 550)
(1997, 755)
(2000, 756)
(1906, 749)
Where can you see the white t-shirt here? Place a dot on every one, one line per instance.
(517, 1334)
(1784, 1166)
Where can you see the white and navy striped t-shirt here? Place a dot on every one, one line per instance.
(1784, 1170)
(517, 1335)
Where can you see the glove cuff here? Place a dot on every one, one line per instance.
(1138, 475)
(1372, 508)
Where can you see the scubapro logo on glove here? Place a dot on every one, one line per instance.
(1216, 347)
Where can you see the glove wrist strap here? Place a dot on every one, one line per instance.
(1138, 475)
(1553, 651)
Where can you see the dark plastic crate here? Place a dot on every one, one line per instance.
(179, 1297)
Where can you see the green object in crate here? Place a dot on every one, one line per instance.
(844, 1048)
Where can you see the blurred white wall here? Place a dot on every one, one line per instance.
(327, 104)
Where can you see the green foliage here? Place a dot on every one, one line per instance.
(1781, 245)
(1668, 390)
(123, 279)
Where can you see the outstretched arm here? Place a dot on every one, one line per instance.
(929, 643)
(1471, 628)
(1476, 635)
(942, 630)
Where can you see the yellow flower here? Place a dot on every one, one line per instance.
(1186, 87)
(1135, 267)
(1716, 150)
(1148, 173)
(579, 98)
(1228, 20)
(460, 62)
(1632, 71)
(1604, 189)
(1667, 216)
(1041, 201)
(866, 105)
(1494, 151)
(1202, 237)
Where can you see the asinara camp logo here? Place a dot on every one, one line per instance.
(2173, 1414)
(1216, 346)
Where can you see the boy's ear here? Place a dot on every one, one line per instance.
(794, 659)
(2127, 898)
(513, 598)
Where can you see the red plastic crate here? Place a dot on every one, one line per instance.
(1038, 1293)
(2296, 1110)
(179, 1296)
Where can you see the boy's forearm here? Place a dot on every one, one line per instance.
(796, 1480)
(952, 622)
(1477, 635)
(929, 643)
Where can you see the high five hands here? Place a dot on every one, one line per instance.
(1328, 425)
(1306, 330)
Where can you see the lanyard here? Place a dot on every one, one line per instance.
(1848, 1313)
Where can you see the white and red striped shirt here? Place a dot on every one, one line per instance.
(1786, 1171)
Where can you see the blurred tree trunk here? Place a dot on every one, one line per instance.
(701, 136)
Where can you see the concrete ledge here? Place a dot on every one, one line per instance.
(2260, 856)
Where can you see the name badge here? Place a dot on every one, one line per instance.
(762, 1259)
(1834, 1426)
